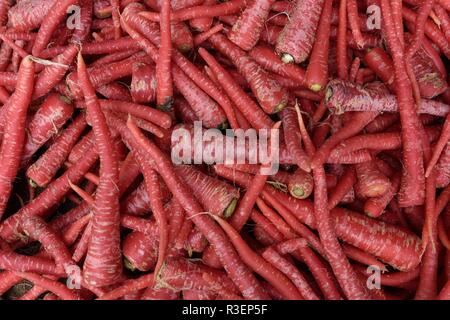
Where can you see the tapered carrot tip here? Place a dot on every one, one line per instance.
(287, 58)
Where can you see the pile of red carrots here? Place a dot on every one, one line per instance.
(92, 206)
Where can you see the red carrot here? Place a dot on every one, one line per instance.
(102, 269)
(295, 42)
(50, 117)
(293, 139)
(164, 90)
(44, 169)
(370, 181)
(317, 72)
(14, 132)
(267, 58)
(246, 31)
(300, 184)
(133, 245)
(341, 47)
(202, 37)
(252, 259)
(269, 93)
(340, 95)
(247, 106)
(352, 12)
(49, 25)
(52, 285)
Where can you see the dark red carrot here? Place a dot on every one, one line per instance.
(352, 13)
(14, 131)
(51, 116)
(199, 11)
(270, 94)
(379, 61)
(102, 269)
(52, 285)
(443, 168)
(295, 42)
(370, 181)
(317, 71)
(129, 286)
(246, 31)
(9, 260)
(115, 91)
(143, 83)
(53, 73)
(133, 245)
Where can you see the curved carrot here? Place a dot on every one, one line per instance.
(252, 259)
(14, 131)
(102, 269)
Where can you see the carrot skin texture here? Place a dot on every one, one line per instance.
(296, 40)
(103, 261)
(164, 90)
(271, 96)
(14, 131)
(246, 31)
(317, 72)
(341, 46)
(239, 273)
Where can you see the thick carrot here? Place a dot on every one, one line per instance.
(295, 42)
(246, 31)
(293, 138)
(143, 83)
(317, 71)
(202, 24)
(300, 184)
(215, 196)
(370, 181)
(352, 12)
(374, 207)
(136, 243)
(103, 261)
(14, 132)
(28, 14)
(341, 95)
(114, 90)
(270, 94)
(51, 116)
